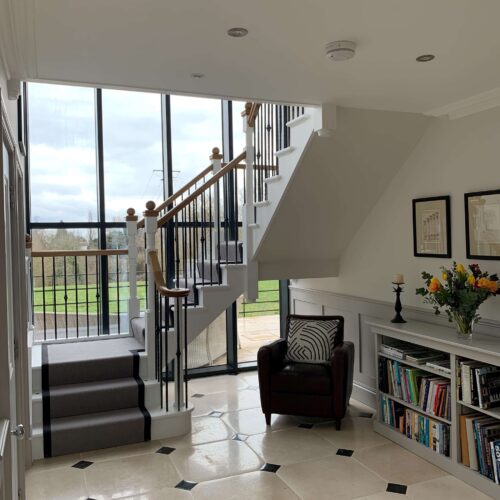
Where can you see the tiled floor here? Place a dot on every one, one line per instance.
(232, 455)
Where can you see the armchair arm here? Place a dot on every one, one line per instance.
(270, 360)
(342, 366)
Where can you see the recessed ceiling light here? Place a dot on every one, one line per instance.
(426, 58)
(197, 75)
(237, 32)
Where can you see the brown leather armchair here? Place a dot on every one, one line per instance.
(306, 389)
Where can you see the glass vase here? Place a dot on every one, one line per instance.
(464, 325)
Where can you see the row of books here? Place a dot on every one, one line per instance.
(416, 354)
(413, 425)
(480, 444)
(478, 384)
(431, 393)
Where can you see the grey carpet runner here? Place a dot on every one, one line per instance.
(93, 396)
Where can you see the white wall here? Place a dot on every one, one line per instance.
(10, 105)
(453, 157)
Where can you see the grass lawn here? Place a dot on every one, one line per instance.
(267, 303)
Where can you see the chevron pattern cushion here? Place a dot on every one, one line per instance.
(311, 340)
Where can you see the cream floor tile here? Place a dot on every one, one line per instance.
(252, 421)
(397, 465)
(355, 434)
(251, 378)
(335, 477)
(204, 430)
(356, 407)
(221, 383)
(233, 401)
(444, 487)
(55, 462)
(163, 494)
(56, 484)
(130, 476)
(121, 451)
(290, 446)
(201, 406)
(251, 486)
(215, 460)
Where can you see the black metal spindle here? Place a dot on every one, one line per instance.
(118, 293)
(178, 351)
(98, 294)
(76, 298)
(185, 355)
(65, 296)
(210, 231)
(54, 295)
(87, 293)
(43, 301)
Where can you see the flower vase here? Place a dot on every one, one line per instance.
(464, 325)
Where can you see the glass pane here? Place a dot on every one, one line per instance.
(209, 348)
(196, 129)
(133, 154)
(62, 153)
(239, 140)
(258, 322)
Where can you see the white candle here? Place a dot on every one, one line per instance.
(398, 279)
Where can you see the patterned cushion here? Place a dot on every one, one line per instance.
(311, 340)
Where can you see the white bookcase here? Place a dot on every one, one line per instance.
(481, 348)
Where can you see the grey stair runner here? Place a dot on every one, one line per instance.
(92, 396)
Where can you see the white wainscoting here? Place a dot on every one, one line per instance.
(357, 311)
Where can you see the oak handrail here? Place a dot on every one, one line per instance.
(186, 201)
(179, 192)
(163, 290)
(78, 253)
(252, 115)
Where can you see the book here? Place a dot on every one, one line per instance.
(464, 445)
(495, 455)
(442, 365)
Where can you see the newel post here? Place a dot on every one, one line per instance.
(134, 309)
(216, 159)
(252, 284)
(150, 225)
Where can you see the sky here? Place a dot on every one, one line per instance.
(62, 146)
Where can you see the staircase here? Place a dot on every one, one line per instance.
(199, 246)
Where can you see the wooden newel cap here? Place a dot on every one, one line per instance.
(150, 209)
(216, 154)
(246, 111)
(131, 215)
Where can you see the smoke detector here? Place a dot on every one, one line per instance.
(341, 50)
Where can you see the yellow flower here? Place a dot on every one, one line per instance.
(434, 285)
(471, 280)
(445, 276)
(461, 269)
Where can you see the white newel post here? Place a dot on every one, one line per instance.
(150, 225)
(29, 287)
(216, 158)
(252, 285)
(134, 309)
(179, 352)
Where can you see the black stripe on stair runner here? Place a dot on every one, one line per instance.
(141, 398)
(47, 436)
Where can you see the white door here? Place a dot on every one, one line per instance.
(8, 237)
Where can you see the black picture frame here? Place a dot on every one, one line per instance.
(437, 245)
(483, 239)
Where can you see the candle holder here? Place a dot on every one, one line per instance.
(398, 307)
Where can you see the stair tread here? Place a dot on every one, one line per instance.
(96, 419)
(60, 390)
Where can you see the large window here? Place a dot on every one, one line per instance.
(62, 153)
(133, 153)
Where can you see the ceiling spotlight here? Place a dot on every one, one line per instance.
(426, 58)
(197, 75)
(237, 32)
(341, 50)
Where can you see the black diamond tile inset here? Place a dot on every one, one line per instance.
(186, 485)
(240, 437)
(366, 415)
(165, 450)
(397, 488)
(306, 426)
(345, 453)
(197, 395)
(217, 414)
(82, 464)
(270, 468)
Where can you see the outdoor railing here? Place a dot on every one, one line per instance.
(70, 298)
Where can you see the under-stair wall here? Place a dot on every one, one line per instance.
(334, 182)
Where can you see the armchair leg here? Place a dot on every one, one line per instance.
(337, 424)
(268, 419)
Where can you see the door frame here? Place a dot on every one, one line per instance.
(19, 289)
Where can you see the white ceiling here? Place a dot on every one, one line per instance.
(157, 44)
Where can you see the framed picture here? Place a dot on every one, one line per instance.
(431, 227)
(482, 225)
